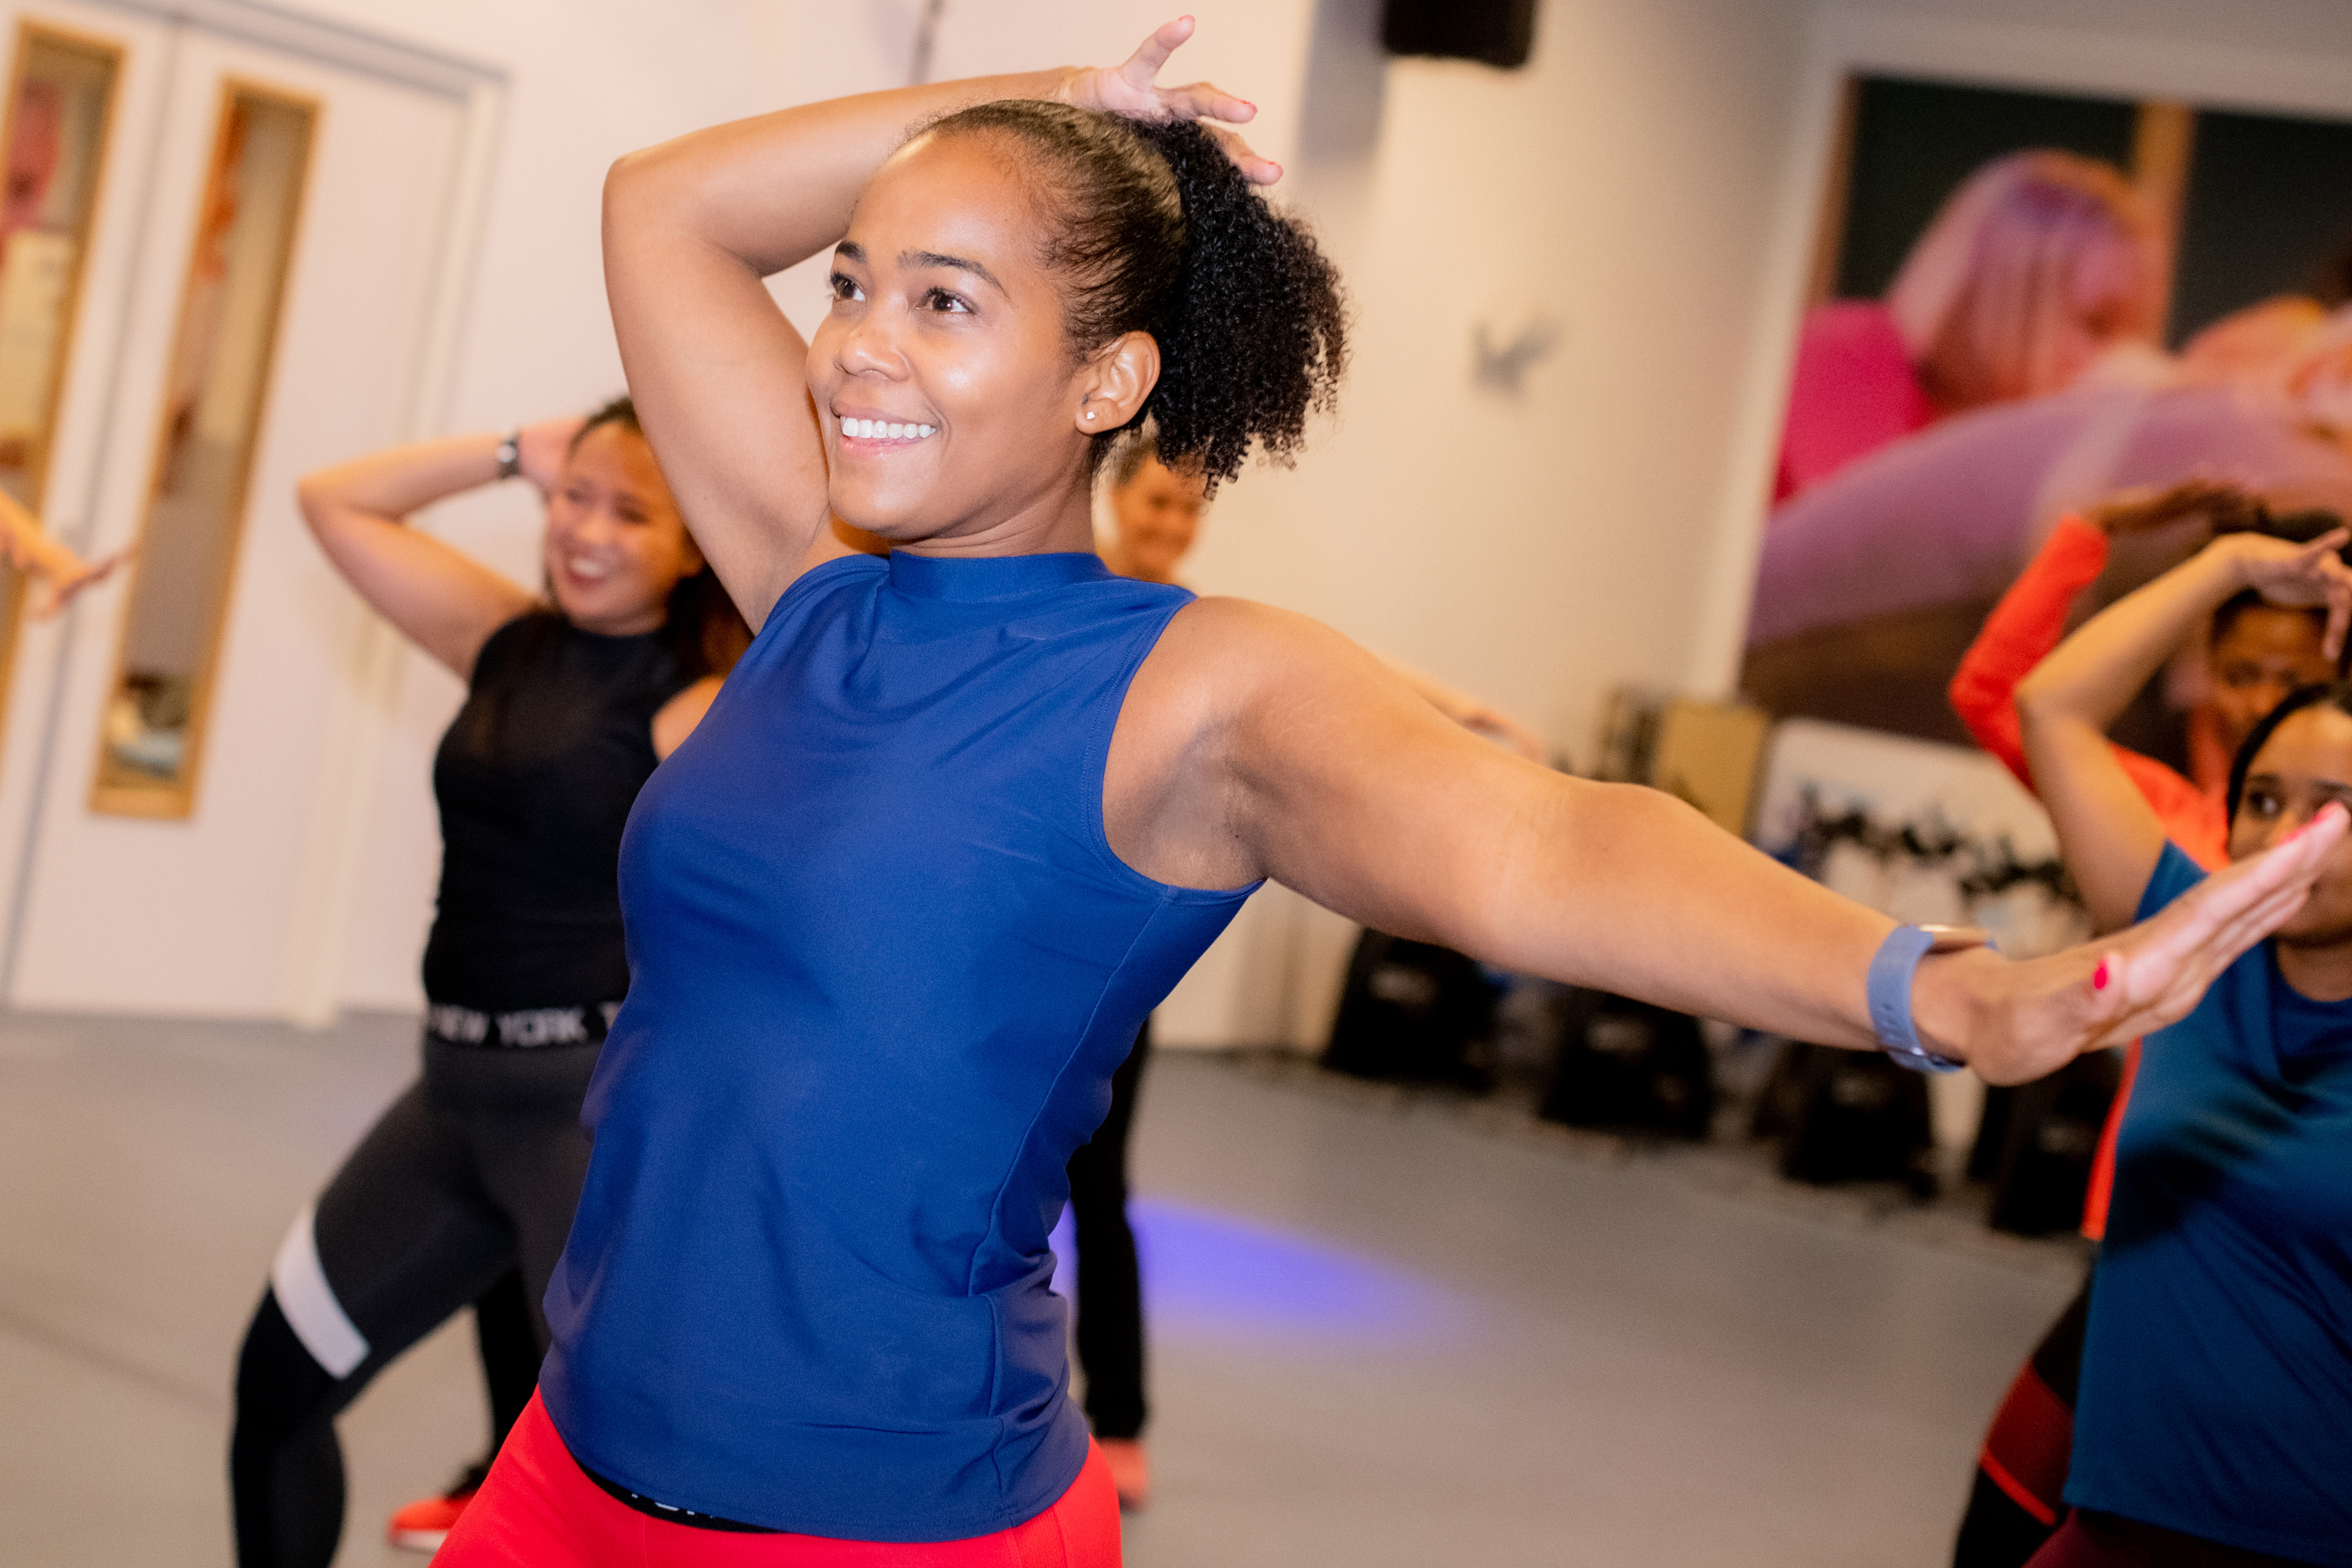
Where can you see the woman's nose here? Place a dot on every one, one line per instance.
(592, 525)
(869, 346)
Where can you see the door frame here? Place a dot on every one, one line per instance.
(1844, 42)
(352, 751)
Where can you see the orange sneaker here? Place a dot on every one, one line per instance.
(1130, 1471)
(425, 1523)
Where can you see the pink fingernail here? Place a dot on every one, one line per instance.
(2099, 978)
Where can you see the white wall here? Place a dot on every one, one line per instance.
(1632, 180)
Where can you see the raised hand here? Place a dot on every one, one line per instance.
(2037, 1015)
(543, 447)
(1132, 91)
(2299, 574)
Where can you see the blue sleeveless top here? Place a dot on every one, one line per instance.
(882, 964)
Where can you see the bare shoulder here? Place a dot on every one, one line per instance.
(1239, 703)
(1252, 669)
(1231, 651)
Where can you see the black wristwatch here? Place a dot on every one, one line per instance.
(510, 456)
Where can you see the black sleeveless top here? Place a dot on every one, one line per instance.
(535, 778)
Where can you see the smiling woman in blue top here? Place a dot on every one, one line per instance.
(2213, 1425)
(961, 816)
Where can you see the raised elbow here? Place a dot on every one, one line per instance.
(314, 499)
(636, 180)
(2036, 698)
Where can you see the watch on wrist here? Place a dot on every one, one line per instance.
(510, 456)
(1891, 973)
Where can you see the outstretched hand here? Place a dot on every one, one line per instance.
(2112, 992)
(1132, 91)
(55, 588)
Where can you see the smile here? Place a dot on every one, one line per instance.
(884, 430)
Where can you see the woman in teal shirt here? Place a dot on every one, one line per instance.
(2214, 1424)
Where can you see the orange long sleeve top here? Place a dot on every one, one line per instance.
(2028, 622)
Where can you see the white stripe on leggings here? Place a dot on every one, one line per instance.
(309, 1303)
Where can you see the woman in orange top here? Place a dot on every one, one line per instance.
(2258, 652)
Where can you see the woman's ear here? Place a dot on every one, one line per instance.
(692, 553)
(1114, 385)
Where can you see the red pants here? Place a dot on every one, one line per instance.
(539, 1510)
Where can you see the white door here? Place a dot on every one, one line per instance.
(182, 762)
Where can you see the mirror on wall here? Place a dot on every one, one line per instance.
(215, 391)
(62, 92)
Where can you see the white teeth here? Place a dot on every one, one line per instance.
(886, 430)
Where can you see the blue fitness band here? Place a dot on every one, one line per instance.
(1890, 991)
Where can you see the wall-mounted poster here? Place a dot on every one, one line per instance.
(2025, 304)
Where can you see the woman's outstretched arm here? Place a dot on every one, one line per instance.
(2110, 834)
(440, 598)
(693, 226)
(1256, 742)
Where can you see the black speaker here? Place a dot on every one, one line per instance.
(1628, 1064)
(1412, 1011)
(1499, 32)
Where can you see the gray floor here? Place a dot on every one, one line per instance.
(1387, 1331)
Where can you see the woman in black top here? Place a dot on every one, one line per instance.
(468, 1181)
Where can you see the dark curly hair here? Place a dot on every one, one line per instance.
(1154, 230)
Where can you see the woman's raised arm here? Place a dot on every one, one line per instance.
(693, 228)
(2109, 834)
(436, 595)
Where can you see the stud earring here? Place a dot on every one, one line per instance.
(1090, 413)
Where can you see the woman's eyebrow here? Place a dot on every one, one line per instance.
(955, 263)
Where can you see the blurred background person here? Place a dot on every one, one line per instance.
(469, 1178)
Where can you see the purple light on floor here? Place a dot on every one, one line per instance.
(1210, 1275)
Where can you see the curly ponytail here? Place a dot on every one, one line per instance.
(1156, 231)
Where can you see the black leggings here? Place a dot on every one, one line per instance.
(2017, 1500)
(1111, 1290)
(463, 1190)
